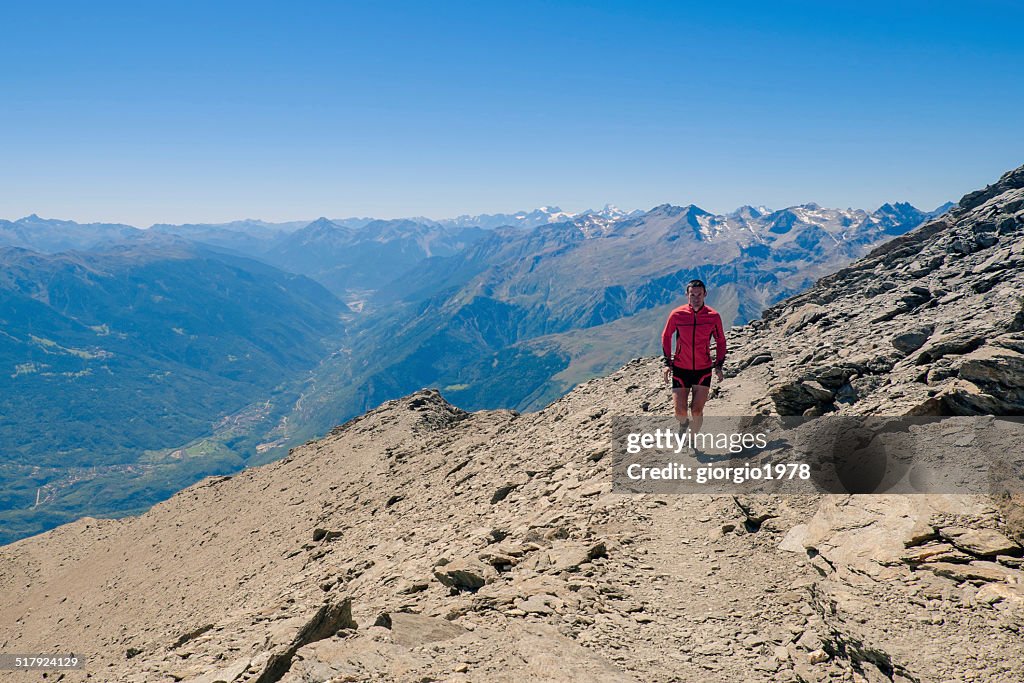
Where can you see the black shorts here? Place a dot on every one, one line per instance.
(684, 379)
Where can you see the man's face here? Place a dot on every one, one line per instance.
(696, 296)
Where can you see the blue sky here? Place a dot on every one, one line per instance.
(173, 112)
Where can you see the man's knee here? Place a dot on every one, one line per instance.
(697, 411)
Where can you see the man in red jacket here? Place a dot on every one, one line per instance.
(690, 366)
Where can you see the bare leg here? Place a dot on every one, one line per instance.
(700, 397)
(679, 397)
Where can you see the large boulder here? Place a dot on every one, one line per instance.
(1000, 373)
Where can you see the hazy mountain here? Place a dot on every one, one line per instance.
(261, 239)
(50, 235)
(519, 219)
(109, 356)
(249, 237)
(527, 219)
(344, 258)
(314, 248)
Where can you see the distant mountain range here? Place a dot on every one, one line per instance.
(134, 361)
(352, 256)
(520, 316)
(346, 259)
(528, 219)
(256, 237)
(50, 235)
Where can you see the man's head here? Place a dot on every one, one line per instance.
(695, 292)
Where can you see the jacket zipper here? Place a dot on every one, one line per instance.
(693, 343)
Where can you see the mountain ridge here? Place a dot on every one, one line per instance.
(418, 540)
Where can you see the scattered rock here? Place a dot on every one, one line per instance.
(414, 630)
(983, 542)
(568, 557)
(467, 577)
(911, 340)
(502, 493)
(974, 571)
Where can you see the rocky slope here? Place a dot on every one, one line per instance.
(346, 259)
(419, 542)
(931, 323)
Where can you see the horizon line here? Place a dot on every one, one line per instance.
(553, 207)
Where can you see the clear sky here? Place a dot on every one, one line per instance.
(148, 112)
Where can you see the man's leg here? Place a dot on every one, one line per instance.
(679, 397)
(700, 397)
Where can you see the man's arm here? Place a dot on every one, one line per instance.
(666, 340)
(720, 349)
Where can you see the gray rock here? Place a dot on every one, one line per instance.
(961, 397)
(791, 398)
(956, 341)
(569, 556)
(411, 630)
(999, 372)
(461, 576)
(1010, 561)
(984, 542)
(935, 552)
(227, 674)
(993, 593)
(411, 587)
(802, 317)
(535, 604)
(755, 359)
(819, 393)
(986, 239)
(912, 339)
(974, 571)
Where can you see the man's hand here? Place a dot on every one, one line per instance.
(667, 374)
(719, 375)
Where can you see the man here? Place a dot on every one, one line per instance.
(690, 366)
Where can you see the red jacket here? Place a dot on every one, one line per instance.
(693, 344)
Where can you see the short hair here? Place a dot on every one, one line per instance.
(696, 283)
